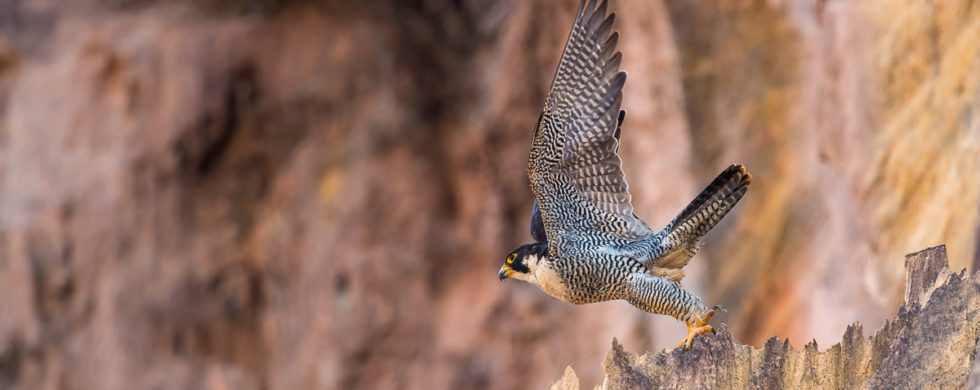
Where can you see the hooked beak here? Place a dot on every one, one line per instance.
(504, 272)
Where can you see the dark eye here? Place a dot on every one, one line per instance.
(510, 259)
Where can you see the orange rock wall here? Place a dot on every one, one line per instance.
(271, 194)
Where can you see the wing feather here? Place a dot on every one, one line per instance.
(537, 224)
(577, 139)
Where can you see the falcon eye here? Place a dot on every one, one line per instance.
(510, 259)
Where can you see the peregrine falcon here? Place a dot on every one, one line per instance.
(590, 246)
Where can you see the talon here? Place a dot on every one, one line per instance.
(698, 328)
(703, 330)
(707, 316)
(686, 343)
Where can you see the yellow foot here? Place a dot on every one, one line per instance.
(699, 327)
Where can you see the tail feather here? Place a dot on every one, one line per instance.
(728, 187)
(681, 238)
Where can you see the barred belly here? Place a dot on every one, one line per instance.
(596, 280)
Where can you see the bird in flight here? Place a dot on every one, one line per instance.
(589, 245)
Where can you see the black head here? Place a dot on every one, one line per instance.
(522, 261)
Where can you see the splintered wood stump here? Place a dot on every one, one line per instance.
(930, 343)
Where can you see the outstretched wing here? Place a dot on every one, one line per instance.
(537, 224)
(574, 162)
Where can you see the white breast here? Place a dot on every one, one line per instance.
(548, 280)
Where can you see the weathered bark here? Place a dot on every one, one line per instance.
(931, 343)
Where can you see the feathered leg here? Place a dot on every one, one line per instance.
(658, 295)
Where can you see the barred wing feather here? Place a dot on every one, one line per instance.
(577, 138)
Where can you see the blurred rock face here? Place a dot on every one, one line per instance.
(292, 195)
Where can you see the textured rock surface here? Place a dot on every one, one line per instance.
(931, 343)
(293, 194)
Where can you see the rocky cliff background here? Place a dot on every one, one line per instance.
(290, 194)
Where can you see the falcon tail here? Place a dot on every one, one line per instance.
(716, 200)
(681, 237)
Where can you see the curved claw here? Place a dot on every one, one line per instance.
(699, 327)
